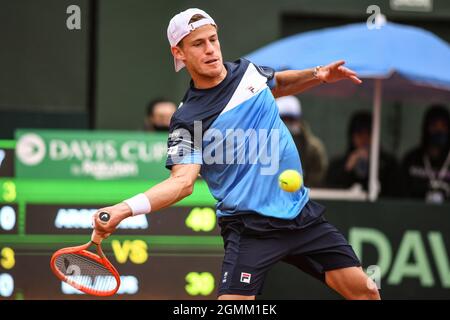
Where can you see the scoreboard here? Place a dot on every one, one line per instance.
(175, 253)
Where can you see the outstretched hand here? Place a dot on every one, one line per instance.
(336, 71)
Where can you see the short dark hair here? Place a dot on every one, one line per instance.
(151, 105)
(194, 18)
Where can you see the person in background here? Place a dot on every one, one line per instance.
(311, 149)
(159, 113)
(426, 168)
(353, 167)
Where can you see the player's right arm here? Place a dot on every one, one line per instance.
(179, 185)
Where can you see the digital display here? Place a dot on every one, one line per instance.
(76, 219)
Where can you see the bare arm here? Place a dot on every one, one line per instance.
(179, 185)
(291, 82)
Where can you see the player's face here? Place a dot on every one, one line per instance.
(201, 52)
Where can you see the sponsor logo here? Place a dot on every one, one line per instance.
(30, 149)
(246, 277)
(412, 258)
(101, 158)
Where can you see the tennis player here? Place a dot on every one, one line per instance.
(228, 129)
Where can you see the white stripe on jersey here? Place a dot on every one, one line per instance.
(251, 84)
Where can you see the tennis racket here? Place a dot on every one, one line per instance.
(86, 271)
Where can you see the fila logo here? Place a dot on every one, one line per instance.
(225, 275)
(252, 89)
(245, 277)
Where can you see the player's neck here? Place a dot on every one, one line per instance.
(203, 82)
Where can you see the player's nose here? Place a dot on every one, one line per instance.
(209, 48)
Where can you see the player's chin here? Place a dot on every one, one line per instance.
(212, 71)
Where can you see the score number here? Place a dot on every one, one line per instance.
(201, 219)
(6, 285)
(7, 261)
(199, 283)
(8, 191)
(7, 218)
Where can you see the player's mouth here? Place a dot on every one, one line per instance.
(211, 61)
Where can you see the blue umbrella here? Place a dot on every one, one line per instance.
(396, 56)
(415, 54)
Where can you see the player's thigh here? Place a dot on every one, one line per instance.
(322, 248)
(247, 259)
(352, 283)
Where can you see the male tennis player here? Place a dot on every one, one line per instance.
(228, 130)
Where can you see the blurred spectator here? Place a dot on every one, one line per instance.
(312, 151)
(159, 113)
(426, 169)
(353, 167)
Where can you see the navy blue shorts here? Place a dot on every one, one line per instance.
(254, 243)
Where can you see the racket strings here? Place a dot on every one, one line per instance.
(86, 273)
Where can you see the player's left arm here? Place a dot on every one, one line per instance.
(292, 82)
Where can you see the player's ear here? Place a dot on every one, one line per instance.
(177, 52)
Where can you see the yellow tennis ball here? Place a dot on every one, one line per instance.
(290, 180)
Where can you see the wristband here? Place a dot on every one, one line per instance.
(139, 204)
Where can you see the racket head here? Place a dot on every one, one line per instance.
(86, 271)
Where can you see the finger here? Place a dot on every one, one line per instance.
(355, 80)
(99, 226)
(337, 64)
(95, 218)
(102, 234)
(104, 228)
(347, 71)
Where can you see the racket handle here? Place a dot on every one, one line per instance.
(95, 238)
(103, 218)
